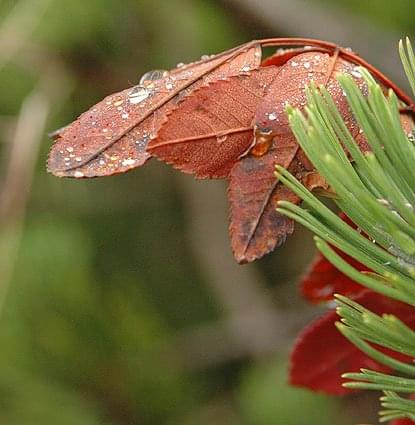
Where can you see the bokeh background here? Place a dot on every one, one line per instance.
(120, 302)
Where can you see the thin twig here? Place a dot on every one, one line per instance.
(13, 197)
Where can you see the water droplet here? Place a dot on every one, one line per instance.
(69, 149)
(355, 72)
(204, 57)
(125, 116)
(169, 86)
(180, 65)
(411, 136)
(78, 174)
(119, 102)
(262, 141)
(221, 138)
(127, 162)
(294, 64)
(306, 65)
(246, 68)
(156, 74)
(138, 94)
(78, 159)
(272, 116)
(409, 205)
(142, 143)
(384, 202)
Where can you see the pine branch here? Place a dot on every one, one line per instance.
(376, 190)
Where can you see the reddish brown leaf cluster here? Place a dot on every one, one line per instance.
(221, 117)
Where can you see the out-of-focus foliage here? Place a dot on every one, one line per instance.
(266, 399)
(105, 282)
(397, 15)
(108, 342)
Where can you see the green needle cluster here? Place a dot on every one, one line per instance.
(377, 191)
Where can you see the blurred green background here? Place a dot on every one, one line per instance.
(120, 302)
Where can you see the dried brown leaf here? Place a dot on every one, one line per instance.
(255, 227)
(112, 136)
(289, 89)
(210, 129)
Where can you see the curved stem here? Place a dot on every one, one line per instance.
(345, 53)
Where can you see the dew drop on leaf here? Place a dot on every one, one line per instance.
(355, 72)
(262, 142)
(128, 162)
(138, 94)
(154, 75)
(221, 139)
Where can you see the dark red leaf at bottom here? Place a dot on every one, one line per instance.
(322, 354)
(403, 421)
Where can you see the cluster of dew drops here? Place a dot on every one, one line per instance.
(150, 83)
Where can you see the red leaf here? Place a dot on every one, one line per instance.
(289, 88)
(256, 228)
(210, 129)
(321, 353)
(323, 280)
(112, 136)
(402, 421)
